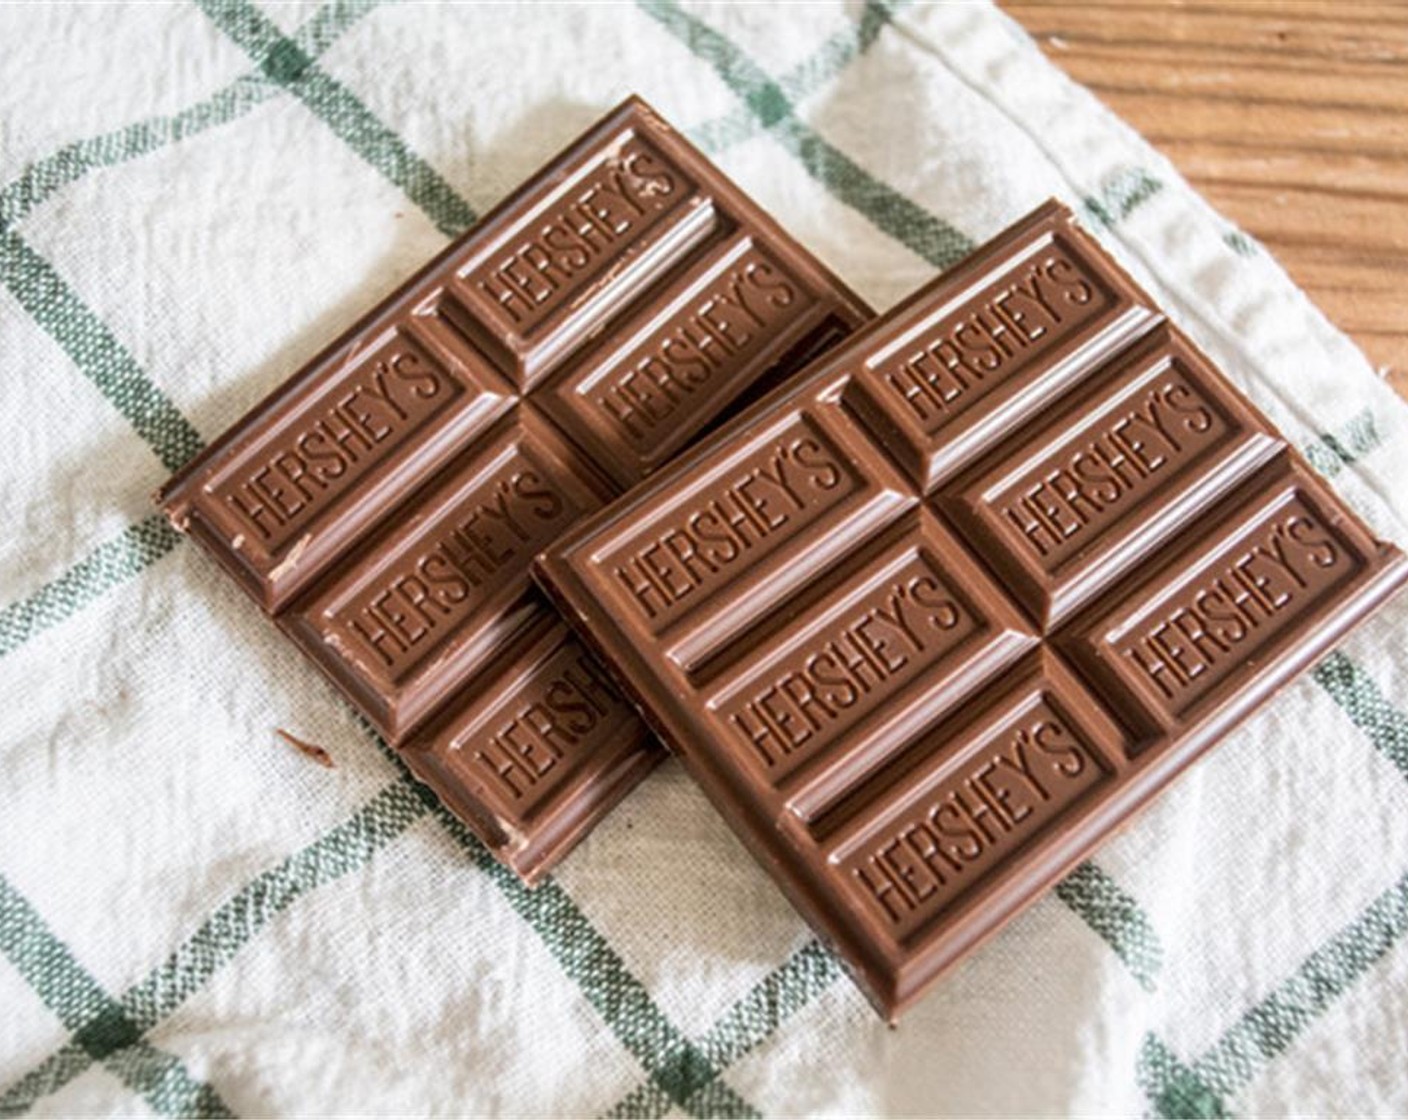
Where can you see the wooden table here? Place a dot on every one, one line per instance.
(1290, 117)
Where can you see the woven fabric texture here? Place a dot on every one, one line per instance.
(195, 919)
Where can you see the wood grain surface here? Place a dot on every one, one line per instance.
(1290, 117)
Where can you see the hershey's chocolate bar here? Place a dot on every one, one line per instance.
(385, 502)
(934, 619)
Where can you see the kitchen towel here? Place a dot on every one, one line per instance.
(196, 919)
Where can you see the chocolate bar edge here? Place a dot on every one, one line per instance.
(574, 813)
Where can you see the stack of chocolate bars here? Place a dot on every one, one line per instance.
(931, 605)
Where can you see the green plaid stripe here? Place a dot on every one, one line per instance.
(95, 350)
(811, 74)
(164, 1082)
(70, 163)
(927, 235)
(1270, 1027)
(122, 1023)
(1266, 1030)
(675, 1065)
(294, 68)
(52, 303)
(346, 848)
(646, 1102)
(681, 1066)
(1122, 195)
(102, 1030)
(1332, 452)
(112, 563)
(45, 177)
(748, 1023)
(1239, 243)
(1117, 918)
(1367, 707)
(1174, 1089)
(777, 997)
(48, 1077)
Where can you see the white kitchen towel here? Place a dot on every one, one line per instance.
(197, 919)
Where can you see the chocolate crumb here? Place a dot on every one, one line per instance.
(312, 750)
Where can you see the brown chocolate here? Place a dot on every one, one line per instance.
(383, 505)
(935, 618)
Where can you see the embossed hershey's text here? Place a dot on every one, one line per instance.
(334, 441)
(1031, 310)
(1096, 477)
(564, 709)
(975, 815)
(1227, 612)
(658, 388)
(893, 630)
(562, 247)
(776, 492)
(481, 545)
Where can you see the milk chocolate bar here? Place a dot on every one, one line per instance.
(384, 504)
(934, 619)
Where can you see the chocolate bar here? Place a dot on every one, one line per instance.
(933, 620)
(384, 504)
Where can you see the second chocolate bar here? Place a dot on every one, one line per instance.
(385, 503)
(932, 621)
